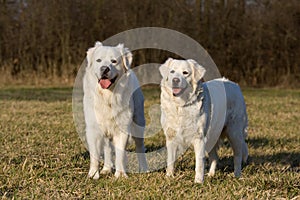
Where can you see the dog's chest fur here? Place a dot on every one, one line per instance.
(110, 118)
(183, 122)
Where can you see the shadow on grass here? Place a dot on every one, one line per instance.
(225, 164)
(37, 94)
(271, 143)
(291, 159)
(283, 158)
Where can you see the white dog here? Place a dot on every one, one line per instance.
(199, 113)
(113, 108)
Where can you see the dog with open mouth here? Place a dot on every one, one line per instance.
(201, 113)
(113, 106)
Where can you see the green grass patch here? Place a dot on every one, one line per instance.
(42, 156)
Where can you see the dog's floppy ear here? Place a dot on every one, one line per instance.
(197, 70)
(90, 52)
(164, 68)
(126, 56)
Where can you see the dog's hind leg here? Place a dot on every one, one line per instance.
(236, 140)
(213, 160)
(138, 137)
(140, 151)
(108, 164)
(245, 147)
(245, 152)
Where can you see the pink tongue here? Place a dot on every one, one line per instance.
(105, 83)
(176, 90)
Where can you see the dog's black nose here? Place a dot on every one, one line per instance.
(176, 80)
(104, 69)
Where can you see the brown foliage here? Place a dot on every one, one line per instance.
(253, 42)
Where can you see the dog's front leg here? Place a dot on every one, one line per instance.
(120, 142)
(95, 144)
(171, 149)
(199, 147)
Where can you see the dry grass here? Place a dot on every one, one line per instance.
(42, 156)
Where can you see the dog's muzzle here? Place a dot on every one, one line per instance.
(104, 70)
(176, 89)
(105, 82)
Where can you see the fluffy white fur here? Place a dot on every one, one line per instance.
(113, 109)
(199, 114)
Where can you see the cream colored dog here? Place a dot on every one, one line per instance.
(113, 108)
(199, 113)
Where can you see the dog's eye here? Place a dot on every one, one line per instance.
(172, 71)
(185, 72)
(113, 61)
(98, 60)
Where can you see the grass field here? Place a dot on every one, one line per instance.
(42, 156)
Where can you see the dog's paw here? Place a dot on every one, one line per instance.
(211, 173)
(237, 174)
(144, 170)
(199, 179)
(170, 173)
(106, 170)
(94, 174)
(119, 174)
